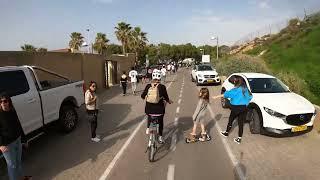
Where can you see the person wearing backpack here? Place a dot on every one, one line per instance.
(156, 97)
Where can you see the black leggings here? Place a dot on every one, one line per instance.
(160, 123)
(124, 87)
(93, 119)
(239, 112)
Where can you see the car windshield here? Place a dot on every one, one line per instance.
(205, 68)
(267, 85)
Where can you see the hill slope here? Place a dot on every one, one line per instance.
(296, 51)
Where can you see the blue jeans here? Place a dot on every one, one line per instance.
(13, 159)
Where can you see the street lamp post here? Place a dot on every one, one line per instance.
(216, 38)
(88, 30)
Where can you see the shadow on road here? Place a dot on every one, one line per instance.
(53, 152)
(240, 170)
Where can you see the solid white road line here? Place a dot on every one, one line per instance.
(106, 173)
(170, 175)
(228, 149)
(119, 154)
(178, 109)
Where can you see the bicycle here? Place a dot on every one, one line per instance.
(153, 136)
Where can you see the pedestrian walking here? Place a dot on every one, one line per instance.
(123, 83)
(10, 138)
(133, 77)
(199, 117)
(173, 68)
(169, 68)
(240, 97)
(149, 74)
(91, 101)
(164, 74)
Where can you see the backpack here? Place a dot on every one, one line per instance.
(153, 95)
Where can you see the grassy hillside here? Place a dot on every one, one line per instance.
(295, 52)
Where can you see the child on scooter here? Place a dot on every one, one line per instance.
(200, 114)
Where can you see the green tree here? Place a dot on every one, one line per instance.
(28, 48)
(137, 41)
(114, 49)
(123, 33)
(76, 41)
(42, 50)
(101, 43)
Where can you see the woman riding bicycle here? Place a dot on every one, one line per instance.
(156, 97)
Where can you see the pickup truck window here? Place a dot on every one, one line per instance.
(14, 82)
(48, 80)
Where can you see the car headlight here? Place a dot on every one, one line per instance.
(200, 75)
(275, 113)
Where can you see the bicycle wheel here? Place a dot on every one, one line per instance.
(152, 149)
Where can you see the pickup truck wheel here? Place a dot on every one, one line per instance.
(68, 118)
(254, 121)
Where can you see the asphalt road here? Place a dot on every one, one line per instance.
(121, 154)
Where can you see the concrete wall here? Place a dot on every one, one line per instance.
(124, 63)
(75, 66)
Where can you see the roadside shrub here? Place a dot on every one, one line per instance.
(241, 64)
(293, 81)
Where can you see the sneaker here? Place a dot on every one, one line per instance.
(161, 140)
(237, 140)
(96, 139)
(147, 131)
(224, 133)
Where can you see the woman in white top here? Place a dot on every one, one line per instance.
(91, 101)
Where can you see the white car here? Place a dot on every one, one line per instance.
(274, 109)
(205, 74)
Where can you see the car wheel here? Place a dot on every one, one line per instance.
(197, 82)
(254, 121)
(68, 118)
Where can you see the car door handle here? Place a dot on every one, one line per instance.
(31, 101)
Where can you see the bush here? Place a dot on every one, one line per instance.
(293, 80)
(241, 64)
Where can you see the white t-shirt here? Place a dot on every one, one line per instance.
(133, 75)
(169, 67)
(163, 71)
(88, 97)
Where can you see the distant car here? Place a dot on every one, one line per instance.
(205, 74)
(274, 109)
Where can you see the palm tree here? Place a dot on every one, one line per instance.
(28, 48)
(122, 32)
(76, 41)
(100, 44)
(138, 40)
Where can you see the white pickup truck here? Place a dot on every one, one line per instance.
(40, 97)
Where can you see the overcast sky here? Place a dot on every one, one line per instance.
(48, 23)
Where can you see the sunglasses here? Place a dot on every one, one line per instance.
(4, 101)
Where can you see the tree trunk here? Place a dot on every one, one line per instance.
(124, 48)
